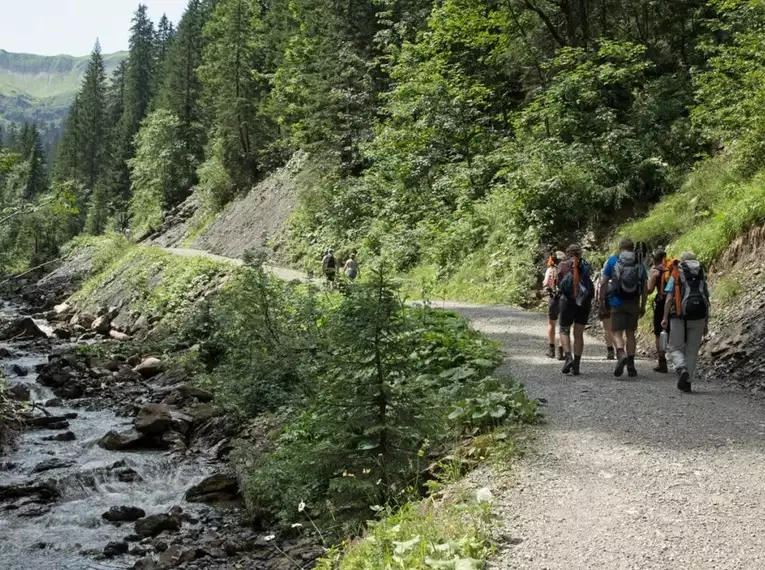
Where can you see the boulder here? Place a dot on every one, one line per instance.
(127, 374)
(32, 510)
(65, 436)
(177, 555)
(190, 391)
(123, 514)
(102, 324)
(141, 325)
(63, 333)
(19, 370)
(153, 419)
(53, 463)
(119, 441)
(5, 352)
(114, 549)
(150, 367)
(62, 309)
(20, 392)
(84, 320)
(119, 336)
(54, 403)
(44, 491)
(155, 524)
(24, 328)
(215, 489)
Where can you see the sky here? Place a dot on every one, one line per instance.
(53, 27)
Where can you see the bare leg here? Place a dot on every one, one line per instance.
(631, 343)
(578, 340)
(565, 340)
(551, 331)
(619, 342)
(607, 332)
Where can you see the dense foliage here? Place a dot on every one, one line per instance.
(377, 392)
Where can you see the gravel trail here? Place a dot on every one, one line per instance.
(626, 474)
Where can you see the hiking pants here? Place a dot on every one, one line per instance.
(684, 343)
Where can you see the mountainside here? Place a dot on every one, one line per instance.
(41, 88)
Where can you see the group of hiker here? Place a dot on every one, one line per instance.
(620, 294)
(330, 267)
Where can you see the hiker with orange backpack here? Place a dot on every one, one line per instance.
(550, 285)
(658, 277)
(576, 293)
(686, 317)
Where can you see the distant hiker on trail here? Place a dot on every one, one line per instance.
(351, 267)
(658, 277)
(577, 291)
(329, 267)
(605, 320)
(624, 287)
(550, 285)
(686, 316)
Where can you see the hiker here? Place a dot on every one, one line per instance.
(623, 290)
(658, 277)
(550, 285)
(576, 292)
(605, 321)
(351, 267)
(329, 267)
(686, 317)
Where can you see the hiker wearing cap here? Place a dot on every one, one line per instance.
(686, 316)
(550, 285)
(658, 277)
(623, 290)
(576, 293)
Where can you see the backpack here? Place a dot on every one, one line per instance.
(627, 278)
(692, 293)
(579, 277)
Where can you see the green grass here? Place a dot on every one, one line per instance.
(454, 533)
(713, 208)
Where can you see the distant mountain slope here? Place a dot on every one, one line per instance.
(41, 88)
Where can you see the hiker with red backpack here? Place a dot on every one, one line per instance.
(686, 317)
(550, 285)
(576, 293)
(623, 290)
(658, 277)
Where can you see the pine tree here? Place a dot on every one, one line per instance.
(235, 86)
(31, 150)
(163, 43)
(182, 90)
(137, 99)
(92, 121)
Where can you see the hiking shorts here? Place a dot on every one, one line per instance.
(658, 316)
(573, 314)
(625, 317)
(553, 308)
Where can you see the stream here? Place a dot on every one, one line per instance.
(67, 532)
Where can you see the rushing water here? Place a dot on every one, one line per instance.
(58, 539)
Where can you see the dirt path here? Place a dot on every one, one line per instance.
(625, 474)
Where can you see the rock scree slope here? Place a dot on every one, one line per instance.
(625, 474)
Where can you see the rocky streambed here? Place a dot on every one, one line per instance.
(121, 463)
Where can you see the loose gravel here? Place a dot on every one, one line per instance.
(625, 474)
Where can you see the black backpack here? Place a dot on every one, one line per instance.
(694, 293)
(566, 285)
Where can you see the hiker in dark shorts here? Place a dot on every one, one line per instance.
(329, 267)
(624, 287)
(550, 285)
(577, 291)
(658, 277)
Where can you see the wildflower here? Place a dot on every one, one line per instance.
(269, 538)
(484, 495)
(301, 506)
(366, 471)
(297, 525)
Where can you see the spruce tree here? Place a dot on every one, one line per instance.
(163, 42)
(92, 119)
(31, 150)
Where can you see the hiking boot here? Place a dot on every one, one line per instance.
(620, 364)
(661, 367)
(568, 365)
(682, 381)
(551, 352)
(631, 370)
(575, 368)
(611, 354)
(561, 356)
